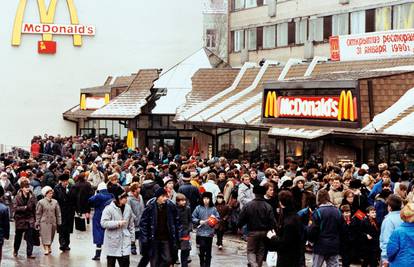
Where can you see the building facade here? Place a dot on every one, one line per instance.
(283, 29)
(215, 26)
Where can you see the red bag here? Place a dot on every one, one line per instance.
(360, 215)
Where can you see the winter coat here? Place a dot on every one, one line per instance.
(228, 188)
(191, 193)
(258, 215)
(9, 191)
(336, 196)
(82, 191)
(115, 189)
(184, 214)
(369, 246)
(390, 223)
(288, 242)
(137, 205)
(37, 188)
(99, 202)
(117, 240)
(329, 221)
(95, 179)
(48, 218)
(245, 194)
(49, 178)
(25, 211)
(203, 213)
(67, 206)
(400, 250)
(4, 223)
(148, 189)
(224, 212)
(297, 197)
(148, 225)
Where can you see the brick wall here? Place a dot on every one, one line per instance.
(386, 91)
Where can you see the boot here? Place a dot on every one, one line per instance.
(45, 248)
(97, 255)
(133, 248)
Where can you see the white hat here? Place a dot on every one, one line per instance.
(3, 174)
(80, 168)
(46, 190)
(98, 159)
(284, 179)
(365, 167)
(297, 179)
(101, 186)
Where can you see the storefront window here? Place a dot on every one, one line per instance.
(402, 154)
(223, 144)
(294, 149)
(236, 147)
(382, 153)
(185, 145)
(313, 151)
(268, 147)
(251, 147)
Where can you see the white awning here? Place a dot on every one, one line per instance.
(302, 133)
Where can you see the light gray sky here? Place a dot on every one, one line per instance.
(130, 34)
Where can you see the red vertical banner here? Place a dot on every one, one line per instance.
(334, 45)
(46, 47)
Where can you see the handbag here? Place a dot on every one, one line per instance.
(80, 223)
(271, 259)
(36, 238)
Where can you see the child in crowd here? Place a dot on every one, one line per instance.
(184, 212)
(205, 216)
(224, 212)
(370, 232)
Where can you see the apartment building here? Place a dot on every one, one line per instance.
(215, 30)
(283, 29)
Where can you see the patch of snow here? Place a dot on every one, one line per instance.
(398, 68)
(403, 127)
(169, 103)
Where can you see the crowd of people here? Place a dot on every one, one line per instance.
(150, 202)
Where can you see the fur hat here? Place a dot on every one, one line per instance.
(101, 186)
(46, 190)
(64, 177)
(208, 195)
(160, 192)
(355, 184)
(298, 179)
(284, 179)
(186, 176)
(365, 167)
(259, 190)
(167, 179)
(407, 213)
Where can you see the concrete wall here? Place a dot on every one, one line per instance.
(130, 34)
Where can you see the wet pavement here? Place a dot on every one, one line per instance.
(82, 250)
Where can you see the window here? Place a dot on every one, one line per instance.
(238, 4)
(301, 31)
(251, 146)
(327, 27)
(291, 33)
(223, 144)
(340, 24)
(211, 37)
(383, 19)
(370, 20)
(316, 29)
(403, 16)
(358, 22)
(282, 34)
(269, 37)
(236, 146)
(238, 40)
(251, 3)
(251, 39)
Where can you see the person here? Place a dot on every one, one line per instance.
(118, 221)
(190, 191)
(99, 201)
(224, 212)
(168, 182)
(336, 193)
(4, 223)
(298, 191)
(64, 196)
(9, 191)
(400, 251)
(136, 202)
(288, 241)
(95, 177)
(390, 223)
(370, 231)
(48, 218)
(149, 186)
(160, 230)
(245, 193)
(24, 216)
(259, 218)
(184, 213)
(211, 186)
(81, 192)
(327, 223)
(205, 231)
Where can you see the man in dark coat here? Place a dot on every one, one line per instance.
(81, 192)
(49, 177)
(288, 240)
(160, 230)
(24, 216)
(63, 195)
(4, 223)
(190, 191)
(259, 217)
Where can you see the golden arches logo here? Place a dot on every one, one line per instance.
(271, 107)
(347, 106)
(47, 16)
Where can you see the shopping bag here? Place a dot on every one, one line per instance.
(271, 259)
(80, 223)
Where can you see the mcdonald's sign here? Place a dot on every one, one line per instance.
(47, 28)
(340, 108)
